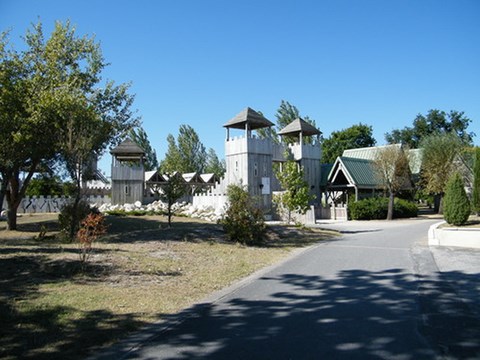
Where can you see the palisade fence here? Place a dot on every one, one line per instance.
(47, 204)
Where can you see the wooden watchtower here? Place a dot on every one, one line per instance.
(249, 158)
(306, 154)
(128, 173)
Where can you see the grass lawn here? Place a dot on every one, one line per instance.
(51, 307)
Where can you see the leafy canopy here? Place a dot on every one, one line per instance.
(354, 137)
(392, 168)
(285, 114)
(52, 107)
(440, 159)
(435, 122)
(186, 154)
(296, 195)
(140, 137)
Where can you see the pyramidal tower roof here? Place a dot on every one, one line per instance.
(250, 117)
(127, 147)
(298, 126)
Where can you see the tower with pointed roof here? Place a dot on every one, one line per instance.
(128, 173)
(249, 158)
(306, 154)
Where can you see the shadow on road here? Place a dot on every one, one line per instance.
(358, 315)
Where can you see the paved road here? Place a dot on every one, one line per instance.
(374, 293)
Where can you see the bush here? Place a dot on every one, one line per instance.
(65, 219)
(377, 208)
(243, 221)
(456, 206)
(91, 228)
(404, 209)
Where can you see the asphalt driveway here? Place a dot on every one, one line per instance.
(374, 293)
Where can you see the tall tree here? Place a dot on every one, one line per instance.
(392, 168)
(296, 195)
(476, 182)
(140, 137)
(52, 107)
(214, 164)
(186, 154)
(436, 121)
(285, 114)
(441, 157)
(354, 137)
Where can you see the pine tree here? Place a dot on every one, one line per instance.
(476, 182)
(456, 204)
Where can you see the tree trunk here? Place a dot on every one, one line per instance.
(3, 191)
(15, 193)
(391, 199)
(11, 219)
(440, 205)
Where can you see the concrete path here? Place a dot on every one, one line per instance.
(374, 293)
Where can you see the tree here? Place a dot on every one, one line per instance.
(45, 184)
(434, 122)
(186, 154)
(243, 221)
(214, 164)
(354, 137)
(51, 107)
(285, 114)
(173, 190)
(296, 195)
(457, 205)
(440, 159)
(139, 136)
(476, 182)
(392, 168)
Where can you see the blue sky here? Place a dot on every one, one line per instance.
(340, 62)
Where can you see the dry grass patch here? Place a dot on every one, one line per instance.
(473, 222)
(140, 272)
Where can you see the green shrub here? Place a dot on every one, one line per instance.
(456, 206)
(376, 209)
(116, 212)
(404, 209)
(243, 221)
(69, 224)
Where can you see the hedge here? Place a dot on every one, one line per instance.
(377, 208)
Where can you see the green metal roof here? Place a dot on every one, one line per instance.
(360, 171)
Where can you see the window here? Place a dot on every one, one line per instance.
(255, 169)
(236, 166)
(127, 190)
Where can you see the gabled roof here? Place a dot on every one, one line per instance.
(127, 147)
(250, 117)
(154, 177)
(298, 126)
(367, 153)
(209, 178)
(358, 172)
(370, 153)
(192, 178)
